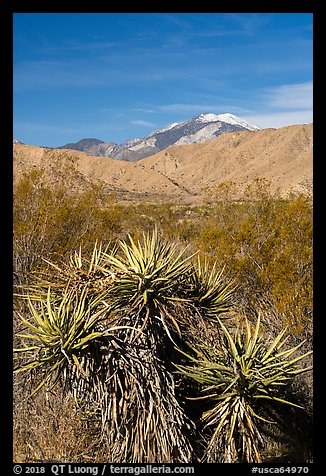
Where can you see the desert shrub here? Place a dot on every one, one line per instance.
(266, 243)
(51, 222)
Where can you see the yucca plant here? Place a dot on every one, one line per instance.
(210, 292)
(148, 297)
(149, 425)
(153, 281)
(60, 332)
(79, 271)
(237, 375)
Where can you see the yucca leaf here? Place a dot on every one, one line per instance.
(268, 397)
(231, 341)
(29, 336)
(86, 339)
(300, 371)
(288, 352)
(234, 381)
(233, 419)
(26, 349)
(297, 359)
(273, 346)
(253, 340)
(35, 329)
(29, 366)
(75, 359)
(248, 333)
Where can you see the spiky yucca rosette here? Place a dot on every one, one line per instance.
(237, 375)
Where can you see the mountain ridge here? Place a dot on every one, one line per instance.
(184, 173)
(205, 126)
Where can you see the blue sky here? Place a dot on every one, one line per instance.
(116, 76)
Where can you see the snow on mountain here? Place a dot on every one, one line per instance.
(205, 133)
(132, 142)
(199, 128)
(206, 126)
(228, 118)
(209, 117)
(167, 128)
(231, 119)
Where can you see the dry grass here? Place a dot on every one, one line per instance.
(49, 428)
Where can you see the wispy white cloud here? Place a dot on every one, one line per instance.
(31, 75)
(290, 96)
(183, 108)
(45, 74)
(280, 119)
(77, 46)
(141, 122)
(248, 23)
(76, 129)
(23, 127)
(216, 25)
(283, 105)
(147, 110)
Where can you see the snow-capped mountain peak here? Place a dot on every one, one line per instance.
(199, 128)
(232, 119)
(206, 126)
(208, 117)
(228, 118)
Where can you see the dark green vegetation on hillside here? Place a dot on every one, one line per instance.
(203, 320)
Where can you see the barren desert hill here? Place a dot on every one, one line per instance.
(79, 169)
(282, 156)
